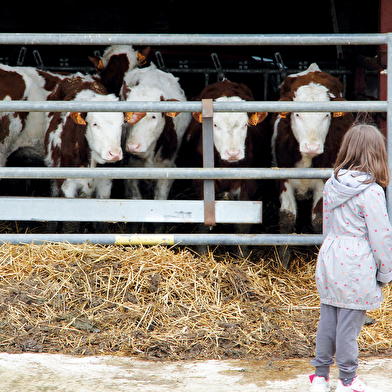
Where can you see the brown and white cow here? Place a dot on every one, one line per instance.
(115, 63)
(83, 139)
(23, 129)
(307, 139)
(153, 139)
(240, 140)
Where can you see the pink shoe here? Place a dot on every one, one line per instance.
(356, 386)
(319, 384)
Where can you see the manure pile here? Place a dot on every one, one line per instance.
(160, 303)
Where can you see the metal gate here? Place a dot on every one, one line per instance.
(111, 210)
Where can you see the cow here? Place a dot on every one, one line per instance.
(152, 139)
(115, 63)
(241, 139)
(23, 129)
(75, 139)
(304, 140)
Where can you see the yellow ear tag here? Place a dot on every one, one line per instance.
(253, 119)
(128, 116)
(338, 114)
(100, 65)
(172, 114)
(141, 59)
(77, 118)
(283, 114)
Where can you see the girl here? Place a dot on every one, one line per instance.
(355, 259)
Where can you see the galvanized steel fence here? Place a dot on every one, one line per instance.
(179, 173)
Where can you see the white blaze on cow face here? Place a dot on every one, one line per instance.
(310, 129)
(230, 131)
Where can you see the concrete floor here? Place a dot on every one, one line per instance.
(45, 372)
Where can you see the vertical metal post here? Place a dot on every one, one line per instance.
(389, 121)
(208, 161)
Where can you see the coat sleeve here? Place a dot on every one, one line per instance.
(327, 213)
(379, 231)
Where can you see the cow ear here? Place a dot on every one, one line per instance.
(257, 118)
(98, 64)
(338, 114)
(284, 114)
(198, 117)
(172, 114)
(142, 55)
(133, 118)
(77, 118)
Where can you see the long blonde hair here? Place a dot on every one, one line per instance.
(363, 149)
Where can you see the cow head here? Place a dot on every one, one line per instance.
(103, 129)
(145, 128)
(311, 128)
(230, 130)
(117, 53)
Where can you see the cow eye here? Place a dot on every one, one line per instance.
(95, 124)
(153, 117)
(297, 115)
(327, 115)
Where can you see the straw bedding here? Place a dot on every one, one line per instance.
(161, 303)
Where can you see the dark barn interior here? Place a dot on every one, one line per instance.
(202, 17)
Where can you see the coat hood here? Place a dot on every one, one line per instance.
(348, 184)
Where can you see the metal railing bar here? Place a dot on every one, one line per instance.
(192, 106)
(192, 39)
(163, 173)
(167, 239)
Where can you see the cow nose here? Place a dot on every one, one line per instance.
(312, 148)
(133, 147)
(233, 154)
(115, 155)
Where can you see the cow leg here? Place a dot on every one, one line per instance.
(70, 190)
(162, 189)
(317, 210)
(103, 191)
(132, 190)
(287, 217)
(288, 209)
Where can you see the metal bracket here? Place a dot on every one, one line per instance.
(21, 56)
(161, 63)
(208, 161)
(218, 66)
(38, 59)
(279, 63)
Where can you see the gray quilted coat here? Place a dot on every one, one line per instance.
(356, 254)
